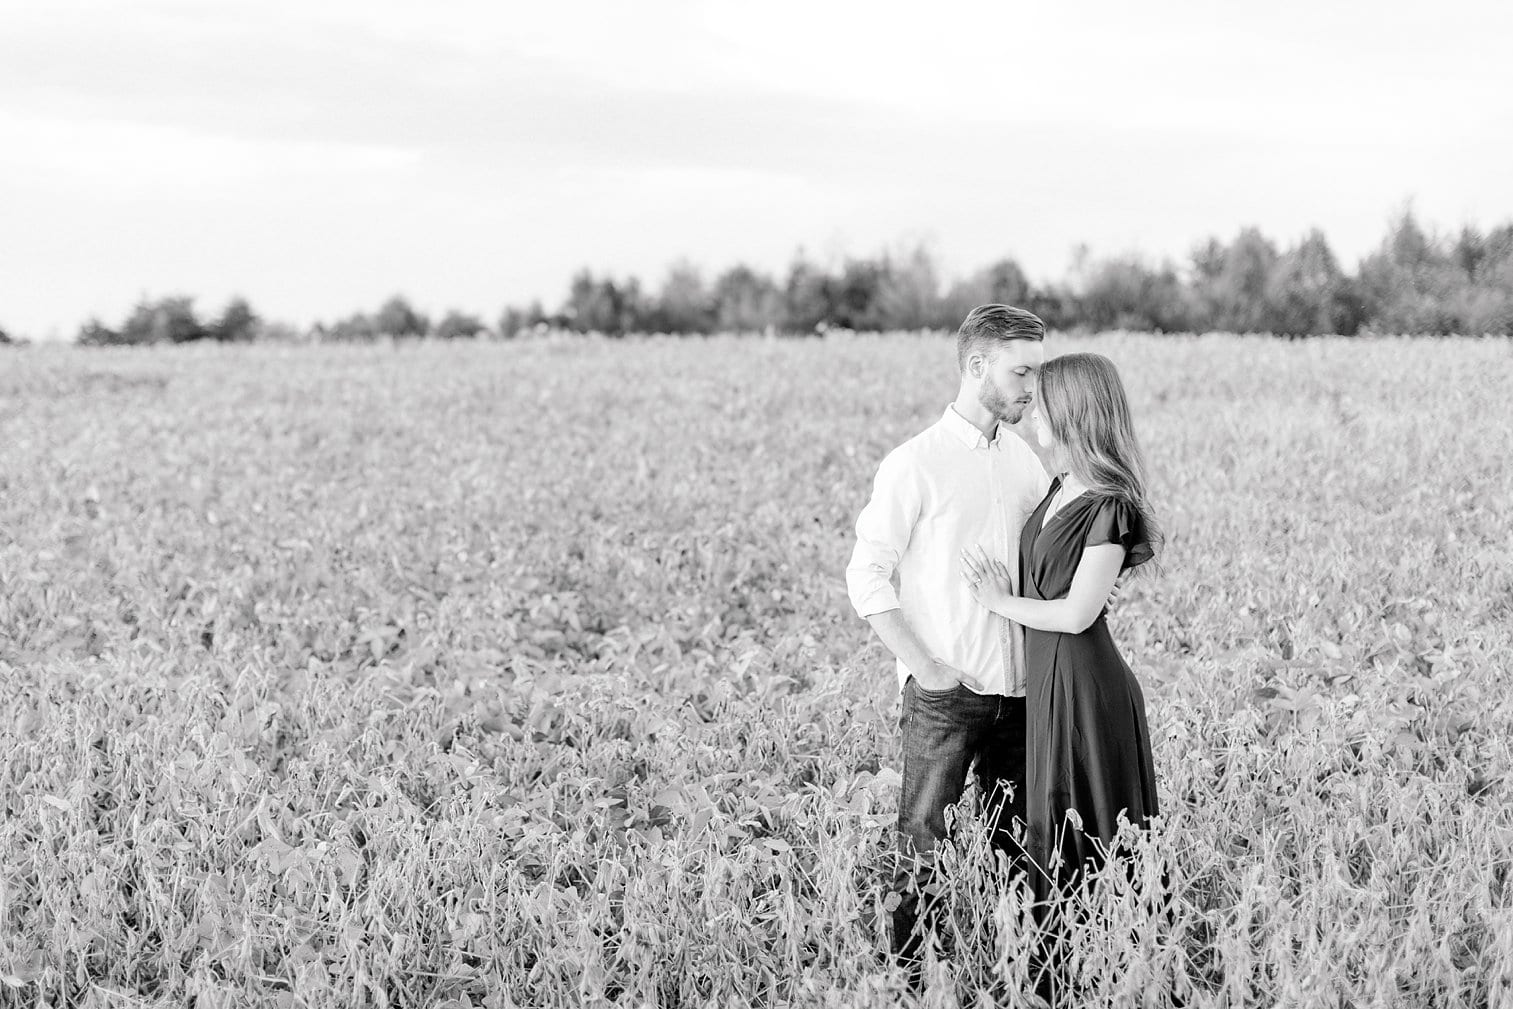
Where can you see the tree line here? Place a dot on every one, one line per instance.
(174, 320)
(1413, 282)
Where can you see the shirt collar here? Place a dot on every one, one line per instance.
(966, 432)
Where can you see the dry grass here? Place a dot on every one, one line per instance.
(523, 675)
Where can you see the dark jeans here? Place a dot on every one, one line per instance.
(944, 732)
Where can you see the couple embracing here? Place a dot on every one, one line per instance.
(988, 578)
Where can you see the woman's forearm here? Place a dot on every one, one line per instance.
(1058, 615)
(1095, 578)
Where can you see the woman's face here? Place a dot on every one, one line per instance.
(1050, 448)
(1043, 435)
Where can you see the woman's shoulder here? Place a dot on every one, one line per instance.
(1114, 519)
(1112, 508)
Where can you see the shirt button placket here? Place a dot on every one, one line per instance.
(996, 523)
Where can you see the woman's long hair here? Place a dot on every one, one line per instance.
(1083, 403)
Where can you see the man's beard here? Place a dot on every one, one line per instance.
(995, 402)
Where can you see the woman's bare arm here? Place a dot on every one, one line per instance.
(1091, 586)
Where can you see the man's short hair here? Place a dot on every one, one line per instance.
(988, 325)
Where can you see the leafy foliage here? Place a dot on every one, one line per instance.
(1127, 293)
(1231, 284)
(683, 305)
(398, 318)
(166, 320)
(523, 675)
(1415, 283)
(238, 323)
(515, 321)
(747, 301)
(174, 320)
(456, 325)
(604, 305)
(1306, 292)
(358, 327)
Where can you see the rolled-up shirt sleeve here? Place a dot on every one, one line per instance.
(883, 531)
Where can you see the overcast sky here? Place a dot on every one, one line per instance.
(319, 156)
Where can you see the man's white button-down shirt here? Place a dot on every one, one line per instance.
(947, 488)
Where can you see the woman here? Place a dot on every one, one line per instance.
(1089, 755)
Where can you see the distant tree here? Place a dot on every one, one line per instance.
(1414, 282)
(281, 332)
(167, 320)
(684, 305)
(456, 324)
(1230, 283)
(95, 333)
(1497, 258)
(397, 318)
(1468, 251)
(1408, 245)
(1056, 304)
(1207, 266)
(1482, 301)
(178, 322)
(746, 301)
(358, 327)
(604, 306)
(586, 305)
(511, 322)
(633, 305)
(140, 326)
(909, 295)
(1307, 293)
(1410, 283)
(1004, 283)
(1496, 275)
(1125, 292)
(855, 295)
(4, 336)
(1000, 283)
(514, 320)
(1483, 310)
(237, 324)
(807, 297)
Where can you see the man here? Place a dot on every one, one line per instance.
(965, 481)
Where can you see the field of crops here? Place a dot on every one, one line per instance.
(523, 674)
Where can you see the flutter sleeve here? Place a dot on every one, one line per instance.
(1120, 522)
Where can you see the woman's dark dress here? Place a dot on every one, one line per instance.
(1088, 744)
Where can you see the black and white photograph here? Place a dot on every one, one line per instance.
(800, 506)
